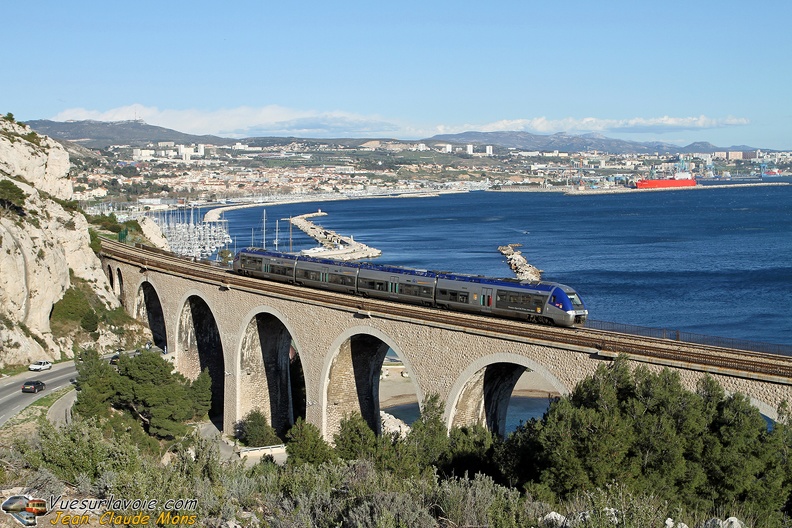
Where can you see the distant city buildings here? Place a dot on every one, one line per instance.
(242, 171)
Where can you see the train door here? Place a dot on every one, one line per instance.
(486, 299)
(324, 277)
(393, 285)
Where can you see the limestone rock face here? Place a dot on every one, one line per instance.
(153, 232)
(39, 159)
(38, 249)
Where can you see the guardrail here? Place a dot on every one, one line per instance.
(689, 337)
(265, 450)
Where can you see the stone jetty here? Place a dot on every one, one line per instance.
(518, 264)
(333, 245)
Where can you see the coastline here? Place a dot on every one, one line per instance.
(214, 215)
(572, 191)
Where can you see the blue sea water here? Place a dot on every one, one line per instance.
(714, 261)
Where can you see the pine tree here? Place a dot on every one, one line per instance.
(355, 439)
(305, 445)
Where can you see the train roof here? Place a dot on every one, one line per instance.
(479, 279)
(514, 283)
(268, 253)
(397, 269)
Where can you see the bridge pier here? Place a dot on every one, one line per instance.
(353, 386)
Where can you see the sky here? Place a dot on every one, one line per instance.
(672, 71)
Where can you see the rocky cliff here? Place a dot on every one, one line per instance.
(43, 246)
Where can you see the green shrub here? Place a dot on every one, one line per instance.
(254, 430)
(306, 445)
(72, 308)
(96, 242)
(90, 321)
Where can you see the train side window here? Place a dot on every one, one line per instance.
(463, 298)
(280, 270)
(340, 279)
(251, 263)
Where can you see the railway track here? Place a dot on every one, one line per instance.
(747, 364)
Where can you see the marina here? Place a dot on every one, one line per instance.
(190, 238)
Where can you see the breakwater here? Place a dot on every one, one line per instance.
(519, 265)
(332, 245)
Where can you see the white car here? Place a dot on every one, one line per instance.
(40, 365)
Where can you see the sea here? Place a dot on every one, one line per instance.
(715, 261)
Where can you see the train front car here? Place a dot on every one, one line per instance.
(581, 312)
(539, 302)
(565, 307)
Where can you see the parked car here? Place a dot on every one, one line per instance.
(33, 386)
(40, 365)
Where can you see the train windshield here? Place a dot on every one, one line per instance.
(576, 302)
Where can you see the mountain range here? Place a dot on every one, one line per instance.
(101, 134)
(564, 142)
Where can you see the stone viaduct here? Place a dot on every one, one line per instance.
(276, 348)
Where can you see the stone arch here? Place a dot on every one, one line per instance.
(199, 346)
(767, 410)
(480, 395)
(350, 377)
(270, 374)
(148, 309)
(111, 278)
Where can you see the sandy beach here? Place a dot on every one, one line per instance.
(397, 390)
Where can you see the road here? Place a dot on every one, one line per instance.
(13, 400)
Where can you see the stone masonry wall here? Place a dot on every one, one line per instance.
(439, 360)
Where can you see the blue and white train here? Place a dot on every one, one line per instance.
(538, 302)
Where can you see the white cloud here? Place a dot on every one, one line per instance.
(243, 121)
(274, 120)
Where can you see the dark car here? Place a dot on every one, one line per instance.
(114, 359)
(33, 386)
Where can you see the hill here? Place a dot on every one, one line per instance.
(563, 142)
(100, 134)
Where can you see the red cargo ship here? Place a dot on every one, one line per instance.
(664, 184)
(680, 179)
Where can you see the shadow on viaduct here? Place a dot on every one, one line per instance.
(292, 357)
